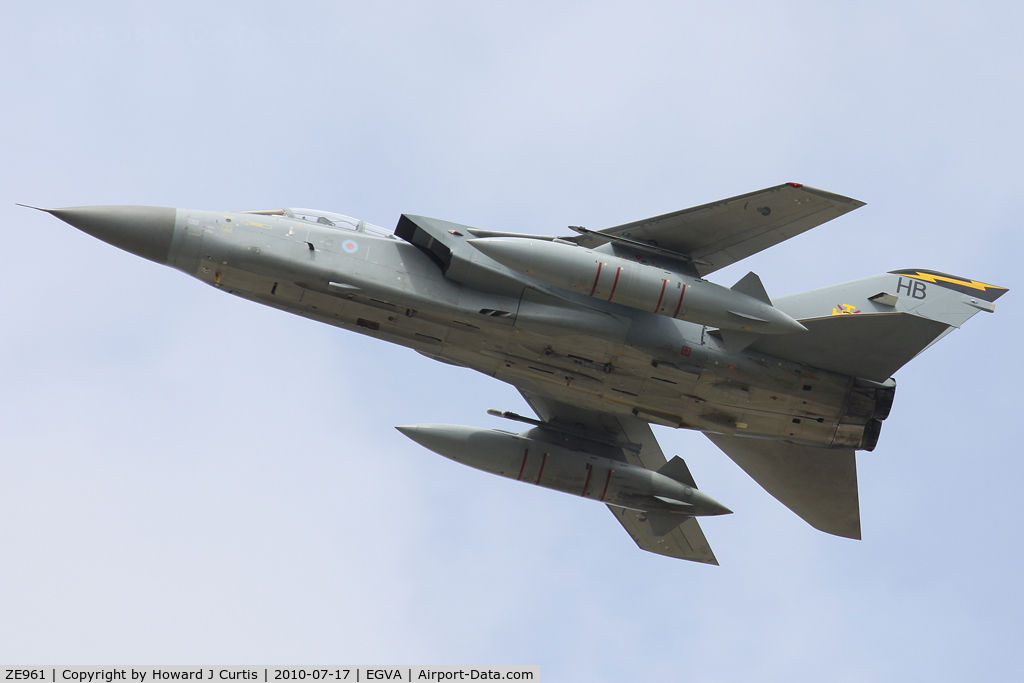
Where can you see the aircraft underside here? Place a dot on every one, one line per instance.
(759, 397)
(603, 333)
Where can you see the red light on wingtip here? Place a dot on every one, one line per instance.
(795, 184)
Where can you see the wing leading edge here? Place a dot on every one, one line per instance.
(718, 234)
(686, 541)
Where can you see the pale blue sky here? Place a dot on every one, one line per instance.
(191, 478)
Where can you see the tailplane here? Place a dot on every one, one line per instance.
(818, 484)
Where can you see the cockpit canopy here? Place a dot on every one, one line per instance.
(327, 218)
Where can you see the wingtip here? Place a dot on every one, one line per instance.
(831, 196)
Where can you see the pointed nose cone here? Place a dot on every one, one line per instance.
(145, 231)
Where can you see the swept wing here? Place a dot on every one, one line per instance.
(718, 234)
(685, 542)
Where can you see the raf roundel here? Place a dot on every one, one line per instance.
(350, 246)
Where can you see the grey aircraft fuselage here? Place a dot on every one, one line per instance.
(584, 351)
(788, 389)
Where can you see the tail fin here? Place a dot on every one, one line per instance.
(872, 327)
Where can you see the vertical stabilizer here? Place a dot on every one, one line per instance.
(871, 327)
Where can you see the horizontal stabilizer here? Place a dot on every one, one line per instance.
(818, 484)
(750, 284)
(676, 469)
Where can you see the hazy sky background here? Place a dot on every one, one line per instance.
(191, 478)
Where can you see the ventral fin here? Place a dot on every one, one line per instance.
(750, 284)
(663, 524)
(737, 341)
(676, 469)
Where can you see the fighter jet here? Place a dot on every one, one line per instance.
(604, 333)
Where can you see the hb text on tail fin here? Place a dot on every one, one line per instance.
(872, 327)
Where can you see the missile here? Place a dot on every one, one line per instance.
(669, 495)
(744, 308)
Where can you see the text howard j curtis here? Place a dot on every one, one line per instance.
(157, 675)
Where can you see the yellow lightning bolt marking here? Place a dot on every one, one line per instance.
(844, 308)
(973, 284)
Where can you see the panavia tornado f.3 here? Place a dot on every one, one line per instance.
(604, 333)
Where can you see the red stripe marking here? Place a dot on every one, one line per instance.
(664, 283)
(680, 304)
(616, 283)
(542, 462)
(596, 278)
(607, 479)
(586, 483)
(523, 466)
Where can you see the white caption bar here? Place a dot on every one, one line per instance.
(349, 673)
